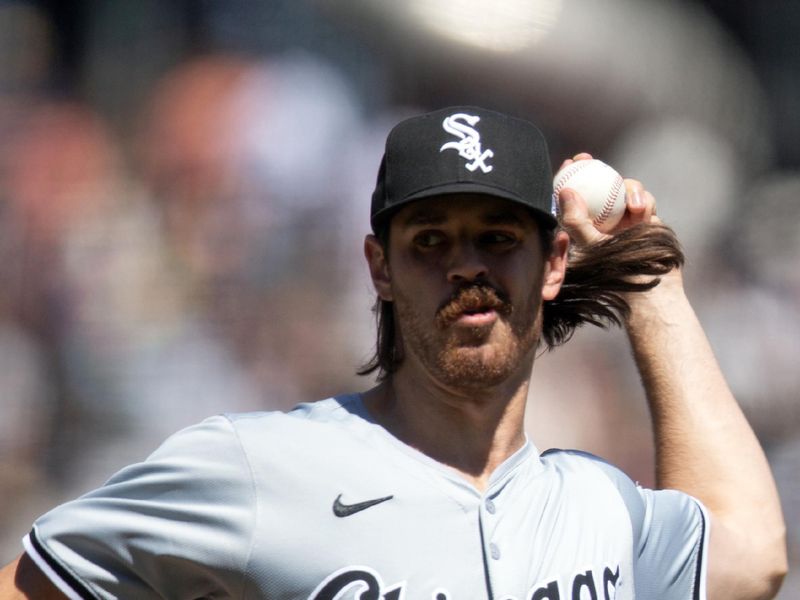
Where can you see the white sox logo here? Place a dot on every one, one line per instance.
(469, 144)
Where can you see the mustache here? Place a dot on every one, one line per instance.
(473, 297)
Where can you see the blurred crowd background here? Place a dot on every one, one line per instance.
(184, 190)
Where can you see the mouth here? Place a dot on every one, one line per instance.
(476, 317)
(473, 307)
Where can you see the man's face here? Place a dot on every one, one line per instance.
(466, 276)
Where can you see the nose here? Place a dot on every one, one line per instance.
(466, 264)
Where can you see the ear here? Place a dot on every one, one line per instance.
(555, 266)
(378, 264)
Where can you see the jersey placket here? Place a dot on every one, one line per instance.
(505, 569)
(496, 554)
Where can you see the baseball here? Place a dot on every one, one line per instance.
(601, 187)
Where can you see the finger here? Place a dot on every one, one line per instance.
(574, 218)
(650, 206)
(635, 201)
(579, 156)
(566, 163)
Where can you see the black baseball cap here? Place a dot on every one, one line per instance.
(464, 149)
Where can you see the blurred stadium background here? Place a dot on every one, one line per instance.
(184, 189)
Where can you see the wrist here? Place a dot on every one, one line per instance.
(658, 303)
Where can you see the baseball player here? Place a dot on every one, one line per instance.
(426, 486)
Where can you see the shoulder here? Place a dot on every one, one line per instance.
(222, 447)
(578, 462)
(308, 431)
(659, 518)
(640, 500)
(670, 503)
(335, 414)
(336, 409)
(596, 475)
(340, 411)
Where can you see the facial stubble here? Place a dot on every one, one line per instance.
(471, 357)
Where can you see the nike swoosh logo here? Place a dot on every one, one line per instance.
(341, 509)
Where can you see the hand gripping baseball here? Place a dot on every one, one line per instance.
(632, 256)
(577, 222)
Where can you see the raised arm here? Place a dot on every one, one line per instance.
(22, 579)
(704, 445)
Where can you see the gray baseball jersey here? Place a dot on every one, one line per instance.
(322, 503)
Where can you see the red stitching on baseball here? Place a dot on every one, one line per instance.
(566, 175)
(608, 206)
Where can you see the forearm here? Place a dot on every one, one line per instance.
(704, 445)
(700, 432)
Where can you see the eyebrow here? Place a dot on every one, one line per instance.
(425, 217)
(503, 218)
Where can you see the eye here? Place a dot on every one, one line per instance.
(498, 239)
(429, 239)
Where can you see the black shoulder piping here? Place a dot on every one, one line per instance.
(698, 573)
(59, 569)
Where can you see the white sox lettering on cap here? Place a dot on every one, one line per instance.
(469, 143)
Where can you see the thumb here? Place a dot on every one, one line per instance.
(574, 217)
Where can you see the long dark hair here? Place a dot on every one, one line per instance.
(597, 278)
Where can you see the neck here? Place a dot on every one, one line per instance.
(472, 431)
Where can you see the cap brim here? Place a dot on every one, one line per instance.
(462, 187)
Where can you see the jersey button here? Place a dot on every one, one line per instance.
(494, 551)
(491, 507)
